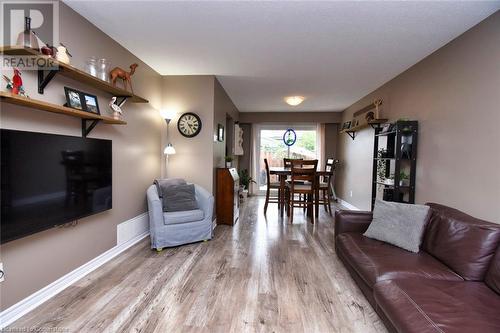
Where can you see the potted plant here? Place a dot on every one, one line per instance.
(245, 181)
(228, 159)
(404, 179)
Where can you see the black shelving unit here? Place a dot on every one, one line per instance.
(395, 162)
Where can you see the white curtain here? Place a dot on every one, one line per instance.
(320, 142)
(254, 162)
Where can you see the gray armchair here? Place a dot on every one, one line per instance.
(176, 228)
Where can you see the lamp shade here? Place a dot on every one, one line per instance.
(169, 150)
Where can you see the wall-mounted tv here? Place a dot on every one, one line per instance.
(48, 180)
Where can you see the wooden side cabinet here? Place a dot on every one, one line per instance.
(227, 199)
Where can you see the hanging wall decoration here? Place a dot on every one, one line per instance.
(289, 137)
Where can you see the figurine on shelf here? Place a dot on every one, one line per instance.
(117, 111)
(63, 54)
(16, 84)
(117, 72)
(27, 37)
(49, 50)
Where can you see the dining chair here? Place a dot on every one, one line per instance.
(287, 162)
(325, 185)
(270, 186)
(303, 183)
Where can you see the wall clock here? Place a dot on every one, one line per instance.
(189, 124)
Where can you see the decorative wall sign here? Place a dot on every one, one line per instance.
(289, 137)
(238, 140)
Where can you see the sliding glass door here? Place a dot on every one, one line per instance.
(271, 145)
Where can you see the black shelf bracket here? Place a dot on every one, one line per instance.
(122, 101)
(88, 125)
(43, 79)
(352, 135)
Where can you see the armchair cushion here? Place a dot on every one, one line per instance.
(183, 216)
(179, 198)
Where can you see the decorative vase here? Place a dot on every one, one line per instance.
(91, 66)
(27, 38)
(103, 67)
(228, 165)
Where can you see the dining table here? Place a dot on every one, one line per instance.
(283, 173)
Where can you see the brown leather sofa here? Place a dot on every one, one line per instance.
(451, 285)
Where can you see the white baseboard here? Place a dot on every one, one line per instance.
(347, 205)
(16, 311)
(132, 228)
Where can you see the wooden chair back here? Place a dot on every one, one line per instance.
(268, 174)
(287, 162)
(329, 167)
(304, 170)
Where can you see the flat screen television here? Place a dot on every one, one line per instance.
(49, 180)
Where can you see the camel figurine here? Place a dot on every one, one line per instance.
(117, 72)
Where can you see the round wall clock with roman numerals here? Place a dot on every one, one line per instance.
(189, 124)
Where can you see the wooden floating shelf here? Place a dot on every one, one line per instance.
(54, 108)
(75, 74)
(372, 123)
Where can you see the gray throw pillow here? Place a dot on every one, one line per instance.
(178, 198)
(398, 224)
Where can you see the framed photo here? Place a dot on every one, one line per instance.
(76, 99)
(73, 99)
(220, 132)
(91, 104)
(346, 125)
(386, 128)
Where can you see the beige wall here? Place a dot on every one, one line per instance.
(223, 107)
(37, 260)
(454, 94)
(331, 139)
(194, 156)
(291, 117)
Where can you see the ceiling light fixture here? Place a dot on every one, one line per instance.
(294, 100)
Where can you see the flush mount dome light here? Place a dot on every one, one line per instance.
(294, 100)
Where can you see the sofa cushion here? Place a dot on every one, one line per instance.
(462, 242)
(422, 305)
(183, 217)
(376, 261)
(492, 277)
(398, 224)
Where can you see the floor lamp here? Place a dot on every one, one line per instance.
(169, 149)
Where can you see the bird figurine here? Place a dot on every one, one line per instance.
(16, 84)
(63, 54)
(117, 111)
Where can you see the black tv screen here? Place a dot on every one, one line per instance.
(49, 180)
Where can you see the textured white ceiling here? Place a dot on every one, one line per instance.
(333, 53)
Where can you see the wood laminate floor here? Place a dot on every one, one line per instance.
(262, 275)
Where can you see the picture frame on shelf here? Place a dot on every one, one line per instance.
(79, 100)
(74, 99)
(346, 125)
(220, 133)
(91, 103)
(385, 128)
